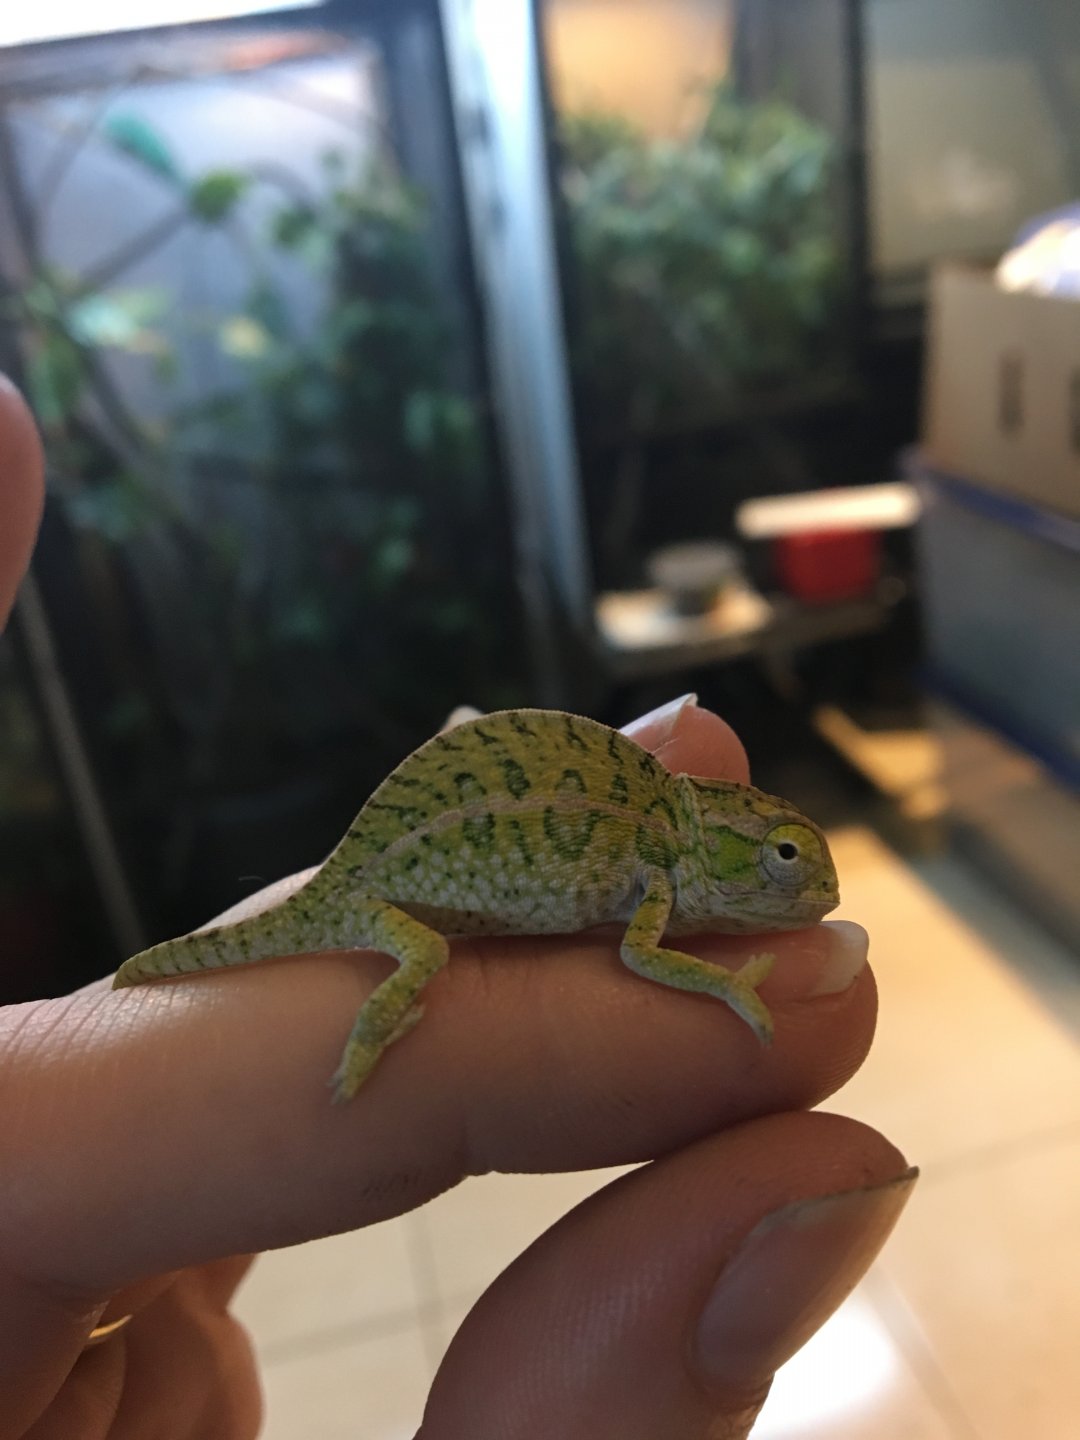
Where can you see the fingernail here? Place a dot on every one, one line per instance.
(844, 960)
(824, 959)
(661, 723)
(788, 1276)
(458, 716)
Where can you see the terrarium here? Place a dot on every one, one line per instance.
(235, 286)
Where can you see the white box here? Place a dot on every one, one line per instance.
(1001, 403)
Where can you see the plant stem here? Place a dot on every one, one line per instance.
(21, 210)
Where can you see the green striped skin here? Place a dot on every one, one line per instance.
(534, 822)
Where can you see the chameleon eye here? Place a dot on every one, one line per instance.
(791, 855)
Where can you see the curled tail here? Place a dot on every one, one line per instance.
(307, 922)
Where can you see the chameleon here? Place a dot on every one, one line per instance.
(534, 822)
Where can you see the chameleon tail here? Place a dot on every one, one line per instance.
(307, 922)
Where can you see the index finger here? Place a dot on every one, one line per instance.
(192, 1120)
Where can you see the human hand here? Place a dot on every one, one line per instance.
(152, 1137)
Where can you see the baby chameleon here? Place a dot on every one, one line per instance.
(534, 822)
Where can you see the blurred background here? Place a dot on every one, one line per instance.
(396, 354)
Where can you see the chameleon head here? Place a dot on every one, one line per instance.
(758, 865)
(797, 870)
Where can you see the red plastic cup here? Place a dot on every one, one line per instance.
(820, 565)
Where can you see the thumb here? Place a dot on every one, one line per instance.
(664, 1304)
(21, 489)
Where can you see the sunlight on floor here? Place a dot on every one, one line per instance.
(846, 1367)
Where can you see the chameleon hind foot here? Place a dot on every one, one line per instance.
(359, 1058)
(392, 1008)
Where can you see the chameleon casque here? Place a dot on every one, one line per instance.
(534, 822)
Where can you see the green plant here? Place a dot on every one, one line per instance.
(708, 266)
(314, 547)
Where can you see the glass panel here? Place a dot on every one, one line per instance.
(704, 163)
(276, 553)
(974, 124)
(60, 19)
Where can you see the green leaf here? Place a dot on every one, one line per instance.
(306, 621)
(213, 197)
(55, 379)
(266, 306)
(119, 320)
(115, 509)
(421, 419)
(590, 136)
(44, 296)
(243, 338)
(300, 229)
(139, 140)
(292, 226)
(392, 560)
(166, 364)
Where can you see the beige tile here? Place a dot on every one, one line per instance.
(852, 1382)
(968, 1054)
(986, 1266)
(1049, 969)
(476, 1229)
(373, 1390)
(446, 1323)
(346, 1281)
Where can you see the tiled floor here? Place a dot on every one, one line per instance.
(967, 1327)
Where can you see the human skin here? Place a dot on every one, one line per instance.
(152, 1140)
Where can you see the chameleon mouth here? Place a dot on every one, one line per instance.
(798, 912)
(750, 915)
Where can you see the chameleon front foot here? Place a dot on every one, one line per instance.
(748, 1004)
(642, 953)
(756, 970)
(737, 988)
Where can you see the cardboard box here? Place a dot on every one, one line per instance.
(1002, 391)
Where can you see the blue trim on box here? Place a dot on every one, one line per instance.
(1060, 530)
(1062, 766)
